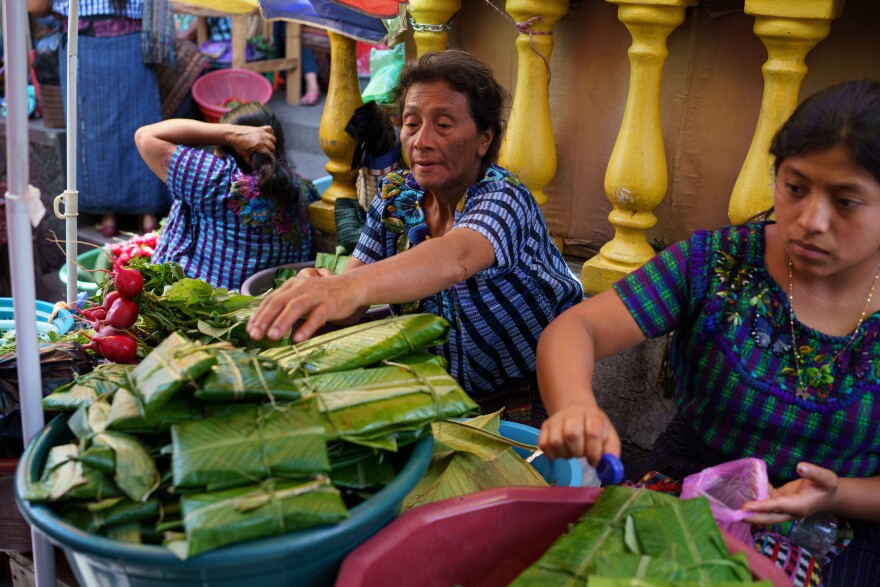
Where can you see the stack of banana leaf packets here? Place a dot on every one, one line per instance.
(203, 445)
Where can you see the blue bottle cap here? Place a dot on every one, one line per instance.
(610, 470)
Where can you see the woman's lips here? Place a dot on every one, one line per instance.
(807, 250)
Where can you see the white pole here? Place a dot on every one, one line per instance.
(70, 198)
(21, 252)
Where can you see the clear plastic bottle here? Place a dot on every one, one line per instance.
(816, 533)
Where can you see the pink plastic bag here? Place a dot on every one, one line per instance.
(727, 487)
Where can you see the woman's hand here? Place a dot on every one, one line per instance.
(813, 492)
(577, 431)
(313, 295)
(247, 140)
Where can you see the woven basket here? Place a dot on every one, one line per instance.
(52, 105)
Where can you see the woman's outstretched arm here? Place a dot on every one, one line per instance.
(567, 353)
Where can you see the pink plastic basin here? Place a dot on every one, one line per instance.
(212, 91)
(484, 539)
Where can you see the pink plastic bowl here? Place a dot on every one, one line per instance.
(214, 89)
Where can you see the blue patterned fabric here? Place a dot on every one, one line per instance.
(733, 364)
(117, 95)
(220, 229)
(128, 9)
(498, 314)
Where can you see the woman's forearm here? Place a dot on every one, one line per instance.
(433, 266)
(857, 498)
(193, 133)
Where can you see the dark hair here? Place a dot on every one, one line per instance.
(846, 114)
(466, 74)
(275, 171)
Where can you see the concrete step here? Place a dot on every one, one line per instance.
(308, 164)
(301, 123)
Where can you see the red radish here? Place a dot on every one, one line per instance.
(110, 298)
(123, 314)
(106, 330)
(128, 281)
(95, 314)
(118, 348)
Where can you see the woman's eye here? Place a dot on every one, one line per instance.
(847, 202)
(793, 188)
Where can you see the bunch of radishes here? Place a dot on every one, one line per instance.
(137, 246)
(115, 316)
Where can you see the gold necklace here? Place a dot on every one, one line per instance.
(801, 390)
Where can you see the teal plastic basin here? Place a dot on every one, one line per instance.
(305, 558)
(559, 472)
(62, 323)
(86, 281)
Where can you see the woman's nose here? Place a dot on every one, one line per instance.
(423, 138)
(815, 216)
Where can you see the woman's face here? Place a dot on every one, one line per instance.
(828, 213)
(441, 140)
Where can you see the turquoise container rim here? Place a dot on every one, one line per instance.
(562, 472)
(366, 514)
(322, 183)
(62, 323)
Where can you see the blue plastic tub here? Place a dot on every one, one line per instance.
(305, 558)
(561, 472)
(322, 183)
(62, 323)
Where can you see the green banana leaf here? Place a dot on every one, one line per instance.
(247, 447)
(128, 414)
(617, 582)
(163, 372)
(470, 457)
(110, 512)
(101, 458)
(82, 391)
(246, 513)
(364, 406)
(335, 261)
(239, 375)
(639, 534)
(61, 474)
(358, 467)
(363, 344)
(135, 472)
(422, 356)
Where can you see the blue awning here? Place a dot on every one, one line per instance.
(327, 15)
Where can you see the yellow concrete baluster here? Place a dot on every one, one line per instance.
(789, 30)
(529, 149)
(636, 178)
(343, 98)
(430, 22)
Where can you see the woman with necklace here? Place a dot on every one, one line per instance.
(776, 336)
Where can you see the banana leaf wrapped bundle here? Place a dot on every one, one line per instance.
(362, 345)
(127, 412)
(66, 477)
(368, 406)
(471, 456)
(94, 517)
(164, 371)
(274, 507)
(82, 391)
(643, 536)
(258, 442)
(240, 375)
(359, 467)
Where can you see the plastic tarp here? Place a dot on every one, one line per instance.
(377, 8)
(327, 15)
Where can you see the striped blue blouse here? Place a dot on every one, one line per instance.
(498, 314)
(220, 229)
(129, 8)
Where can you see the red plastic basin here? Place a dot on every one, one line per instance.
(485, 539)
(212, 91)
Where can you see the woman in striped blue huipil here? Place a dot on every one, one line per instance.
(237, 210)
(456, 236)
